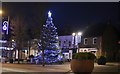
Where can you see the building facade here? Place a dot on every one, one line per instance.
(68, 41)
(68, 45)
(102, 40)
(91, 44)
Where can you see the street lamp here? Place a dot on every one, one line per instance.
(79, 33)
(77, 36)
(73, 34)
(1, 12)
(13, 40)
(13, 43)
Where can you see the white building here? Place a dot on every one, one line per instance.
(68, 41)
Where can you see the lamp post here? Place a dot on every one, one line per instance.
(11, 48)
(76, 36)
(73, 34)
(79, 35)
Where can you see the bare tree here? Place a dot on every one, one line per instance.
(21, 36)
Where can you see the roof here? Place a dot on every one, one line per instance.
(96, 29)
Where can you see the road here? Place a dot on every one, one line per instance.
(64, 68)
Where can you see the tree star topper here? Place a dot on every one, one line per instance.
(49, 14)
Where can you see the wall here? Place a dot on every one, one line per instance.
(68, 41)
(97, 45)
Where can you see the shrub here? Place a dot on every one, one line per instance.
(101, 60)
(84, 56)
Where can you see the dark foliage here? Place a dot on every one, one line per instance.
(84, 56)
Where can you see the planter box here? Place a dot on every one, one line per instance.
(82, 66)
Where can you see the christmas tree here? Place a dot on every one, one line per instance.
(49, 42)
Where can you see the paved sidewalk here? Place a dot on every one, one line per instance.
(37, 68)
(64, 68)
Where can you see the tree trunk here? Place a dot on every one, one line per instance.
(29, 48)
(19, 48)
(43, 63)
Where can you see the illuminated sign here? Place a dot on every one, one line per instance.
(5, 26)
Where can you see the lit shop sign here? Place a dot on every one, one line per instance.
(5, 26)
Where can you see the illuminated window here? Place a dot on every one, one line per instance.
(85, 41)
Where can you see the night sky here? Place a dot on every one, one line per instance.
(67, 17)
